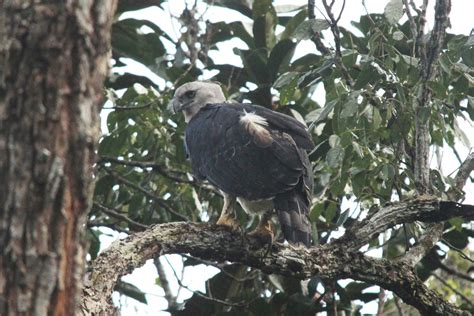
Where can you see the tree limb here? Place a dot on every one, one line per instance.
(425, 210)
(340, 259)
(464, 172)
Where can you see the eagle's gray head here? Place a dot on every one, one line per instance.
(192, 96)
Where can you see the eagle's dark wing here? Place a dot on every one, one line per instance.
(255, 161)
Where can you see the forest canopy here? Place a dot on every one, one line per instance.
(364, 129)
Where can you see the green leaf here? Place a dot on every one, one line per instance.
(241, 6)
(131, 290)
(394, 11)
(94, 248)
(293, 24)
(457, 238)
(265, 21)
(316, 211)
(349, 109)
(285, 79)
(261, 7)
(368, 75)
(334, 141)
(132, 5)
(280, 57)
(376, 118)
(127, 41)
(357, 149)
(330, 211)
(223, 31)
(307, 29)
(255, 62)
(320, 115)
(334, 157)
(398, 35)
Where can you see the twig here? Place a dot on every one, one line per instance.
(165, 285)
(242, 303)
(152, 196)
(108, 225)
(133, 225)
(452, 271)
(316, 38)
(461, 253)
(164, 171)
(381, 303)
(420, 47)
(413, 27)
(139, 107)
(251, 276)
(337, 40)
(462, 296)
(396, 299)
(311, 14)
(342, 10)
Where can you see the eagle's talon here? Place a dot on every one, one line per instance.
(264, 233)
(230, 222)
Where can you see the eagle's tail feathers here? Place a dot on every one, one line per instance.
(292, 209)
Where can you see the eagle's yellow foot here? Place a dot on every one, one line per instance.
(229, 221)
(264, 232)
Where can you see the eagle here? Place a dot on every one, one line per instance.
(255, 156)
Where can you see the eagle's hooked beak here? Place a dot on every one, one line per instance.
(176, 105)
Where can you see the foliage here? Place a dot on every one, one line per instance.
(364, 131)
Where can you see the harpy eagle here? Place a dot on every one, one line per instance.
(254, 155)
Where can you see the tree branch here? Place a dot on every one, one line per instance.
(464, 172)
(337, 41)
(340, 259)
(160, 169)
(422, 134)
(170, 297)
(425, 210)
(459, 293)
(150, 195)
(427, 241)
(316, 38)
(134, 226)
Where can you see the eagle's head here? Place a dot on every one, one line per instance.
(192, 96)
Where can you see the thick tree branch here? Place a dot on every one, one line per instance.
(337, 260)
(425, 210)
(429, 58)
(422, 134)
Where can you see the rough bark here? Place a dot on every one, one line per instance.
(55, 56)
(429, 55)
(337, 260)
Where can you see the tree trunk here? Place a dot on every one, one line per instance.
(54, 57)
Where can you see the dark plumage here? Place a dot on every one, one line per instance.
(251, 153)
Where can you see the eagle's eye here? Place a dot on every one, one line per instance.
(190, 94)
